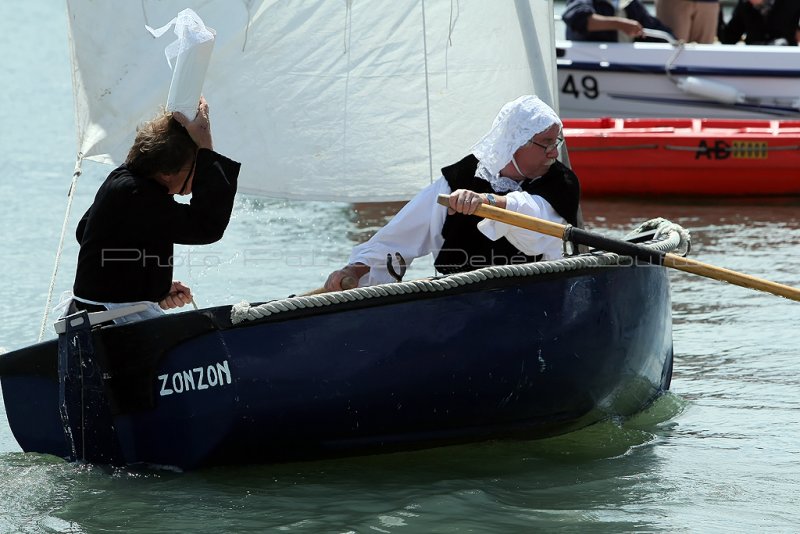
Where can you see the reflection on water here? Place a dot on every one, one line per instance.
(693, 214)
(543, 484)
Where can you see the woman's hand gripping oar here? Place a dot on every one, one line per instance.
(625, 248)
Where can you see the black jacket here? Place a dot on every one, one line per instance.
(780, 23)
(126, 236)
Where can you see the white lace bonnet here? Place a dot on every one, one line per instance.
(516, 123)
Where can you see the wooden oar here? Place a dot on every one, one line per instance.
(626, 248)
(348, 282)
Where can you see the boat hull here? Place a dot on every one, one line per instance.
(685, 157)
(644, 80)
(501, 359)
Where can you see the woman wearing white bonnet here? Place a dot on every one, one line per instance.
(513, 166)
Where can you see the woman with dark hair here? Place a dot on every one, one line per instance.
(128, 234)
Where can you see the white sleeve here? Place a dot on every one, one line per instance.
(529, 242)
(414, 232)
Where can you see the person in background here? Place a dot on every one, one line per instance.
(762, 22)
(608, 20)
(513, 166)
(692, 21)
(128, 234)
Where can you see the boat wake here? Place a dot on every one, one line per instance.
(614, 437)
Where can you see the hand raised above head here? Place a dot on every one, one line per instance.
(199, 128)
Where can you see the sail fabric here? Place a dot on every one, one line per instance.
(320, 100)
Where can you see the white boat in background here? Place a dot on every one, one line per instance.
(678, 80)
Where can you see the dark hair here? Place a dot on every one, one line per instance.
(161, 145)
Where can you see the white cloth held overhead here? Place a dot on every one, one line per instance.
(191, 54)
(515, 124)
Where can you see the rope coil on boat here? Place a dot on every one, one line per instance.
(669, 237)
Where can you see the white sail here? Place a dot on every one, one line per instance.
(338, 100)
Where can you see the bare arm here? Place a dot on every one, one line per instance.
(598, 23)
(347, 277)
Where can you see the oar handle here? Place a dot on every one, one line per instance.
(626, 248)
(513, 218)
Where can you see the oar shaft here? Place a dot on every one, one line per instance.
(626, 248)
(732, 277)
(515, 219)
(348, 282)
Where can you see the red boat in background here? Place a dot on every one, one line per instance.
(685, 157)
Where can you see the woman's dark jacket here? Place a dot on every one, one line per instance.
(127, 235)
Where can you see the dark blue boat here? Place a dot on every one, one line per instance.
(522, 351)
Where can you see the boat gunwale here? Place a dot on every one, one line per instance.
(486, 278)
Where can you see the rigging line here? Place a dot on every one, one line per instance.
(427, 92)
(348, 35)
(347, 23)
(451, 27)
(671, 61)
(248, 4)
(427, 95)
(144, 14)
(70, 196)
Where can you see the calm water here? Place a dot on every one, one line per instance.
(719, 453)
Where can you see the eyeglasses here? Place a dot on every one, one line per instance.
(550, 147)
